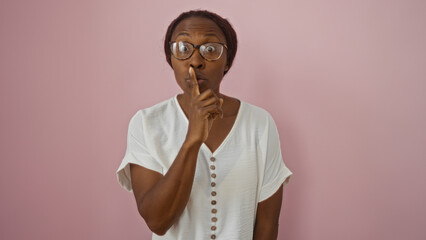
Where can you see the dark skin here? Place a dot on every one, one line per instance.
(211, 115)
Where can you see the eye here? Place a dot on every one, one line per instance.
(183, 47)
(210, 49)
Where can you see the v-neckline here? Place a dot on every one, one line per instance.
(227, 136)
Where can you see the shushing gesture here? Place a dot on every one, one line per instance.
(204, 109)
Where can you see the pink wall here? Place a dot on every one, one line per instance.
(344, 80)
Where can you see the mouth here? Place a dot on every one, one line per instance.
(201, 81)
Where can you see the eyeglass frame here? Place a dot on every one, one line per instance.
(195, 46)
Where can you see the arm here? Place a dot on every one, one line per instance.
(162, 199)
(267, 217)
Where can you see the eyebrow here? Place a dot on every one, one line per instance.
(182, 33)
(211, 34)
(207, 34)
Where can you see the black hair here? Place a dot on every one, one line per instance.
(222, 23)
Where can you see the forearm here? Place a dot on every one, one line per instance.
(165, 202)
(265, 232)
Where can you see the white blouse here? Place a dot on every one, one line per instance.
(245, 169)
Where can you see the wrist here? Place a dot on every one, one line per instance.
(192, 143)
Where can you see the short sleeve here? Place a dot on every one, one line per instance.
(137, 152)
(275, 171)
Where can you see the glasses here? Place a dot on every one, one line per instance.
(211, 51)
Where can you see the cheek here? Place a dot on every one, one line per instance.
(180, 72)
(177, 69)
(220, 69)
(223, 62)
(173, 63)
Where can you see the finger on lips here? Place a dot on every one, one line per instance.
(209, 95)
(193, 79)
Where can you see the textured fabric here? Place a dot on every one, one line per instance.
(248, 165)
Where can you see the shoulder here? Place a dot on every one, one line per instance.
(156, 111)
(154, 115)
(259, 120)
(256, 113)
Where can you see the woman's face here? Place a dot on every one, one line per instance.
(198, 31)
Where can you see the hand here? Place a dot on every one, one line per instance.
(204, 108)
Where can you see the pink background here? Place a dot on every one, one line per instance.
(344, 80)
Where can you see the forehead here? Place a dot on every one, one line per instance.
(198, 26)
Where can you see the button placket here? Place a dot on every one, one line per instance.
(213, 197)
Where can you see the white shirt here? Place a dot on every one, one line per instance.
(248, 165)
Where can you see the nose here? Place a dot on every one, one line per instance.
(196, 60)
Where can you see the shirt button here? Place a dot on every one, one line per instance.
(212, 159)
(213, 175)
(213, 184)
(214, 210)
(213, 228)
(212, 167)
(214, 219)
(213, 202)
(213, 236)
(213, 193)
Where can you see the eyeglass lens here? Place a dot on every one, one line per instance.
(183, 50)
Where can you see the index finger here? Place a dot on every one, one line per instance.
(193, 80)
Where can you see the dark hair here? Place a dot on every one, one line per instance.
(222, 23)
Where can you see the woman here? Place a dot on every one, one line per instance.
(203, 165)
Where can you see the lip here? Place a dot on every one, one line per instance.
(200, 77)
(201, 81)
